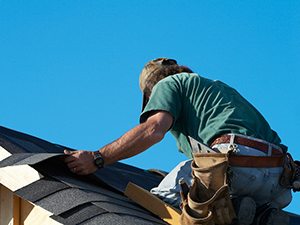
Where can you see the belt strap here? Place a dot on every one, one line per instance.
(256, 161)
(263, 147)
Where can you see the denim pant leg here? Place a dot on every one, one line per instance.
(261, 184)
(169, 190)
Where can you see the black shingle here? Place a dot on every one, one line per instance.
(79, 214)
(40, 189)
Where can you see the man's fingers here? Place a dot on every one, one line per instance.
(75, 170)
(71, 164)
(70, 157)
(69, 152)
(78, 171)
(80, 162)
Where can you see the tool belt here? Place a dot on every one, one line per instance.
(261, 145)
(285, 161)
(275, 157)
(256, 161)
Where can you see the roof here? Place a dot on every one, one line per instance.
(71, 199)
(94, 199)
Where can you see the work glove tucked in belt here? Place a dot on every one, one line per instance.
(208, 201)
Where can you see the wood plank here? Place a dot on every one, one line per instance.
(3, 153)
(7, 206)
(34, 215)
(16, 211)
(17, 208)
(153, 204)
(16, 177)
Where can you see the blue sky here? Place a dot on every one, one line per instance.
(69, 69)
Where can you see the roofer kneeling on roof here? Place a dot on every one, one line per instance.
(244, 149)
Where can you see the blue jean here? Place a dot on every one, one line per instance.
(262, 184)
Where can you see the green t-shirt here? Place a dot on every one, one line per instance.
(205, 110)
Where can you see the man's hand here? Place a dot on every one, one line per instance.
(80, 162)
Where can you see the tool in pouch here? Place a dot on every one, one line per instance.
(198, 147)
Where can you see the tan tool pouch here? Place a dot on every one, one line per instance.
(208, 201)
(288, 172)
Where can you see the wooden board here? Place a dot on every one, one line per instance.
(3, 153)
(31, 214)
(6, 206)
(15, 177)
(14, 210)
(153, 204)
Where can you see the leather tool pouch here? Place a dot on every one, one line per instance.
(288, 172)
(208, 201)
(296, 180)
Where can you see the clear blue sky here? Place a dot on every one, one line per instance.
(69, 69)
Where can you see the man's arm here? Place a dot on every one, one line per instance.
(130, 144)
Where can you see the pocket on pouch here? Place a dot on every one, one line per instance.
(242, 182)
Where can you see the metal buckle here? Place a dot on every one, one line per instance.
(232, 148)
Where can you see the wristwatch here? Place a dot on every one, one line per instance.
(98, 160)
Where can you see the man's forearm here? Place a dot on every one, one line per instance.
(138, 139)
(131, 143)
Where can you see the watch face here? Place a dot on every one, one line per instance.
(99, 162)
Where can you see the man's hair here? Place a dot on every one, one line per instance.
(159, 74)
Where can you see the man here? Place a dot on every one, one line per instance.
(177, 100)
